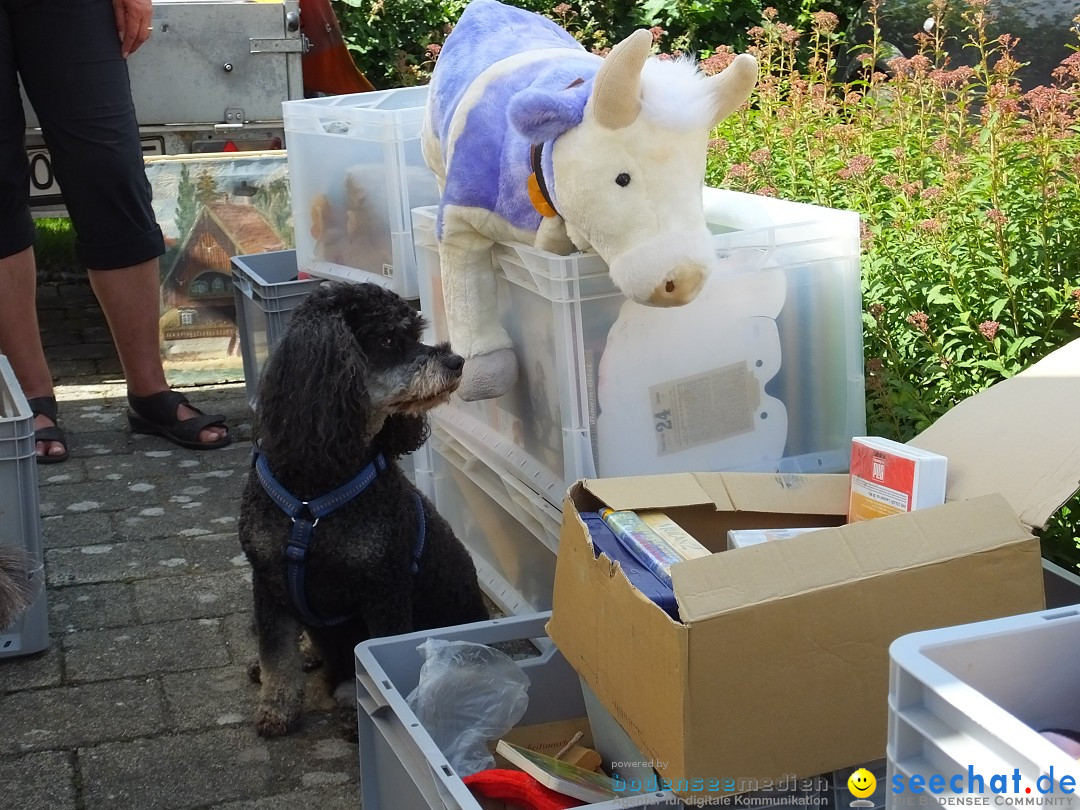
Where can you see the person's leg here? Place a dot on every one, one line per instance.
(78, 83)
(20, 339)
(129, 299)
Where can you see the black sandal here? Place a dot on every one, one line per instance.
(46, 406)
(156, 415)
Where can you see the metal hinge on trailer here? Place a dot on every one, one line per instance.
(233, 119)
(299, 44)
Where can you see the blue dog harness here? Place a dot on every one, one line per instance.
(305, 516)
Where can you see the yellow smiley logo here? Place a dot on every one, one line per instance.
(861, 783)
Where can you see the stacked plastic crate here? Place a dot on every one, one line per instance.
(762, 372)
(20, 522)
(355, 172)
(967, 703)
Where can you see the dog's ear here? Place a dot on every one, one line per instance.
(314, 388)
(402, 434)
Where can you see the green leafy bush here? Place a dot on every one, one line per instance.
(391, 40)
(395, 42)
(969, 192)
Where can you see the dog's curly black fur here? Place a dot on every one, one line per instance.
(350, 379)
(17, 590)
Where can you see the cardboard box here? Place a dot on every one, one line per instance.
(780, 665)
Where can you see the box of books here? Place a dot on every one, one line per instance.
(791, 637)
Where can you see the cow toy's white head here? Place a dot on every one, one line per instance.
(627, 175)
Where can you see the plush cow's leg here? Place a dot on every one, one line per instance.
(472, 313)
(552, 237)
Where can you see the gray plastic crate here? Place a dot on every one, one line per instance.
(266, 291)
(20, 520)
(401, 767)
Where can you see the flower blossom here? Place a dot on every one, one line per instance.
(988, 329)
(856, 167)
(919, 320)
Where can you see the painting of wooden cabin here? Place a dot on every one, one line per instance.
(210, 210)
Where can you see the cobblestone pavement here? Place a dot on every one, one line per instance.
(141, 700)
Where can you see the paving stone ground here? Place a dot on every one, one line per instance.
(141, 700)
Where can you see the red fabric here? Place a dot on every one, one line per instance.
(520, 788)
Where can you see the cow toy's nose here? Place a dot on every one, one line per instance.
(682, 288)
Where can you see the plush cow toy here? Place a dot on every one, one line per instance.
(534, 139)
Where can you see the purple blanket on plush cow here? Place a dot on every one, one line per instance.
(536, 140)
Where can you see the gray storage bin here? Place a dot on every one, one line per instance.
(20, 519)
(401, 767)
(266, 291)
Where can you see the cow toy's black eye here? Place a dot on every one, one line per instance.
(623, 179)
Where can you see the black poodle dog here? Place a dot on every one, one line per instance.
(343, 395)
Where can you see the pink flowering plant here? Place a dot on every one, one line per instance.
(969, 193)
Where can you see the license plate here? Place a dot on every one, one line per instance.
(42, 180)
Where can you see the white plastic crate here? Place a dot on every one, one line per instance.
(355, 171)
(401, 767)
(511, 532)
(762, 372)
(266, 290)
(20, 518)
(970, 700)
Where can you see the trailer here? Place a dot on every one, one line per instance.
(210, 79)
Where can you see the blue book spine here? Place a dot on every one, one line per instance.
(606, 542)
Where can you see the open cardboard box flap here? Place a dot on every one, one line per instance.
(720, 583)
(1020, 437)
(727, 492)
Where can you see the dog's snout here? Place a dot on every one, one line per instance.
(454, 362)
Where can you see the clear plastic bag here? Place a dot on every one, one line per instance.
(468, 694)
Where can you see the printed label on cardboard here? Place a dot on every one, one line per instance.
(704, 408)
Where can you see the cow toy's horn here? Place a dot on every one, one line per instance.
(732, 86)
(617, 88)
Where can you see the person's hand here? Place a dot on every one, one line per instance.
(132, 23)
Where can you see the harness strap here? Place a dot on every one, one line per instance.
(305, 516)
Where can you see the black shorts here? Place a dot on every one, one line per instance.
(67, 55)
